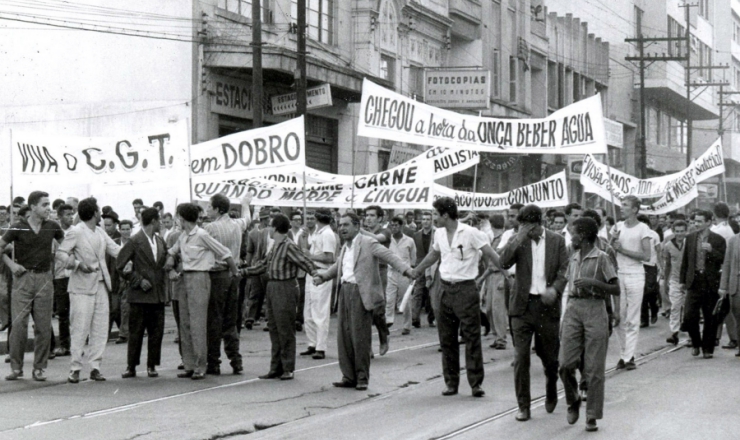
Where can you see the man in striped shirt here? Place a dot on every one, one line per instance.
(281, 265)
(223, 302)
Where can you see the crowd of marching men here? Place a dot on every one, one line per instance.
(563, 279)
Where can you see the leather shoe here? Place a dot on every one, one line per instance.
(213, 371)
(522, 415)
(574, 412)
(187, 374)
(309, 351)
(383, 349)
(38, 375)
(181, 366)
(61, 352)
(416, 324)
(550, 405)
(591, 425)
(405, 332)
(129, 373)
(478, 392)
(730, 346)
(288, 375)
(449, 391)
(673, 339)
(152, 372)
(344, 384)
(74, 376)
(96, 375)
(198, 376)
(319, 354)
(620, 365)
(238, 369)
(361, 387)
(708, 355)
(695, 351)
(271, 375)
(14, 375)
(121, 340)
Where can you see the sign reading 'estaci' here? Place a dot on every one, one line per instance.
(576, 129)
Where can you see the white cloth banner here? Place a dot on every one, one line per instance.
(249, 153)
(547, 193)
(575, 129)
(595, 175)
(675, 190)
(157, 154)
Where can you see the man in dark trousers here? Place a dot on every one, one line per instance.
(458, 248)
(281, 266)
(423, 240)
(541, 262)
(146, 292)
(361, 294)
(704, 253)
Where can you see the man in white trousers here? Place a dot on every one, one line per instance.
(317, 308)
(404, 248)
(84, 248)
(631, 241)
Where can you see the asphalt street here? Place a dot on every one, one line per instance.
(670, 395)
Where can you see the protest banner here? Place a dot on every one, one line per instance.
(675, 190)
(250, 152)
(547, 193)
(266, 192)
(155, 154)
(575, 129)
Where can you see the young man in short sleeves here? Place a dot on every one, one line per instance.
(456, 246)
(33, 283)
(631, 241)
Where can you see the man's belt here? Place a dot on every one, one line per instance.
(456, 283)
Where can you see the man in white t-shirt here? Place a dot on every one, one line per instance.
(631, 241)
(317, 308)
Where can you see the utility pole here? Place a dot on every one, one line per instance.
(300, 80)
(686, 7)
(256, 64)
(642, 154)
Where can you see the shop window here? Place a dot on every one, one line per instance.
(319, 19)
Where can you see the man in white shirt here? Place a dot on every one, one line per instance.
(572, 212)
(631, 241)
(317, 307)
(404, 248)
(722, 227)
(458, 247)
(649, 310)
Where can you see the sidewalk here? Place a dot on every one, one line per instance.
(170, 327)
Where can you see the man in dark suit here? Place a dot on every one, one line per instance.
(358, 269)
(423, 239)
(704, 253)
(534, 307)
(146, 292)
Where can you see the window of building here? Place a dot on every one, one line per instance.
(496, 74)
(416, 83)
(737, 121)
(388, 26)
(704, 8)
(387, 68)
(319, 19)
(675, 48)
(513, 73)
(552, 85)
(577, 87)
(243, 8)
(735, 29)
(615, 156)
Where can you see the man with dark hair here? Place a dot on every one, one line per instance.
(360, 295)
(410, 225)
(85, 246)
(223, 301)
(651, 294)
(722, 227)
(159, 206)
(374, 215)
(672, 256)
(167, 225)
(572, 212)
(199, 254)
(458, 247)
(55, 209)
(558, 223)
(302, 238)
(495, 291)
(66, 216)
(258, 244)
(585, 327)
(281, 265)
(541, 261)
(403, 247)
(146, 292)
(631, 240)
(4, 218)
(701, 265)
(32, 283)
(110, 224)
(423, 240)
(317, 307)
